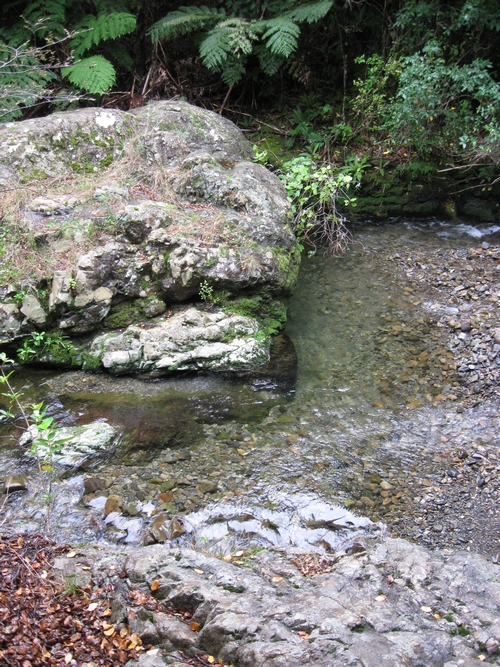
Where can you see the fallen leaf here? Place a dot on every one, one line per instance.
(195, 626)
(198, 571)
(85, 567)
(276, 580)
(68, 658)
(239, 554)
(71, 554)
(228, 557)
(210, 659)
(481, 657)
(110, 631)
(92, 606)
(155, 585)
(153, 651)
(426, 609)
(107, 612)
(380, 598)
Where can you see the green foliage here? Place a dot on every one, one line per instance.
(312, 124)
(24, 79)
(228, 39)
(94, 74)
(44, 41)
(44, 343)
(372, 91)
(445, 108)
(208, 293)
(92, 30)
(316, 190)
(185, 20)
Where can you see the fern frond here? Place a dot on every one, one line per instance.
(97, 29)
(44, 16)
(240, 34)
(94, 74)
(185, 20)
(269, 62)
(234, 71)
(216, 48)
(309, 13)
(281, 36)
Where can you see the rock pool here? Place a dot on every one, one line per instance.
(392, 422)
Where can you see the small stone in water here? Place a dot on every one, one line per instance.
(113, 504)
(14, 483)
(93, 484)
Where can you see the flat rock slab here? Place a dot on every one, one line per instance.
(394, 604)
(75, 445)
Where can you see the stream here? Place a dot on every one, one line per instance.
(379, 432)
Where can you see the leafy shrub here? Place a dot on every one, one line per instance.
(316, 191)
(445, 108)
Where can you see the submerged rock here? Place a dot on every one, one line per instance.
(164, 206)
(72, 445)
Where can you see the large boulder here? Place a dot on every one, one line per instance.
(131, 213)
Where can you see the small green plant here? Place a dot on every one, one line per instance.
(316, 190)
(20, 296)
(45, 439)
(208, 293)
(41, 342)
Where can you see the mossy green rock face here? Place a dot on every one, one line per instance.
(138, 212)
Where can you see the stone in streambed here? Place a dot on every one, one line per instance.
(93, 484)
(73, 446)
(14, 483)
(113, 504)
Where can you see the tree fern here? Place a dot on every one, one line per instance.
(185, 20)
(233, 71)
(46, 16)
(94, 74)
(281, 36)
(309, 13)
(269, 62)
(93, 30)
(229, 41)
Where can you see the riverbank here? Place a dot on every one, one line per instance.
(390, 603)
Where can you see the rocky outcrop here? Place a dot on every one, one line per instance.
(140, 211)
(391, 604)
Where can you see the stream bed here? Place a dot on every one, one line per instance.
(392, 424)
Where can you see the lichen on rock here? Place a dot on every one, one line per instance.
(162, 206)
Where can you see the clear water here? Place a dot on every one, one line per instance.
(362, 413)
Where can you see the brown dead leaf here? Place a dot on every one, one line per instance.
(155, 585)
(195, 626)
